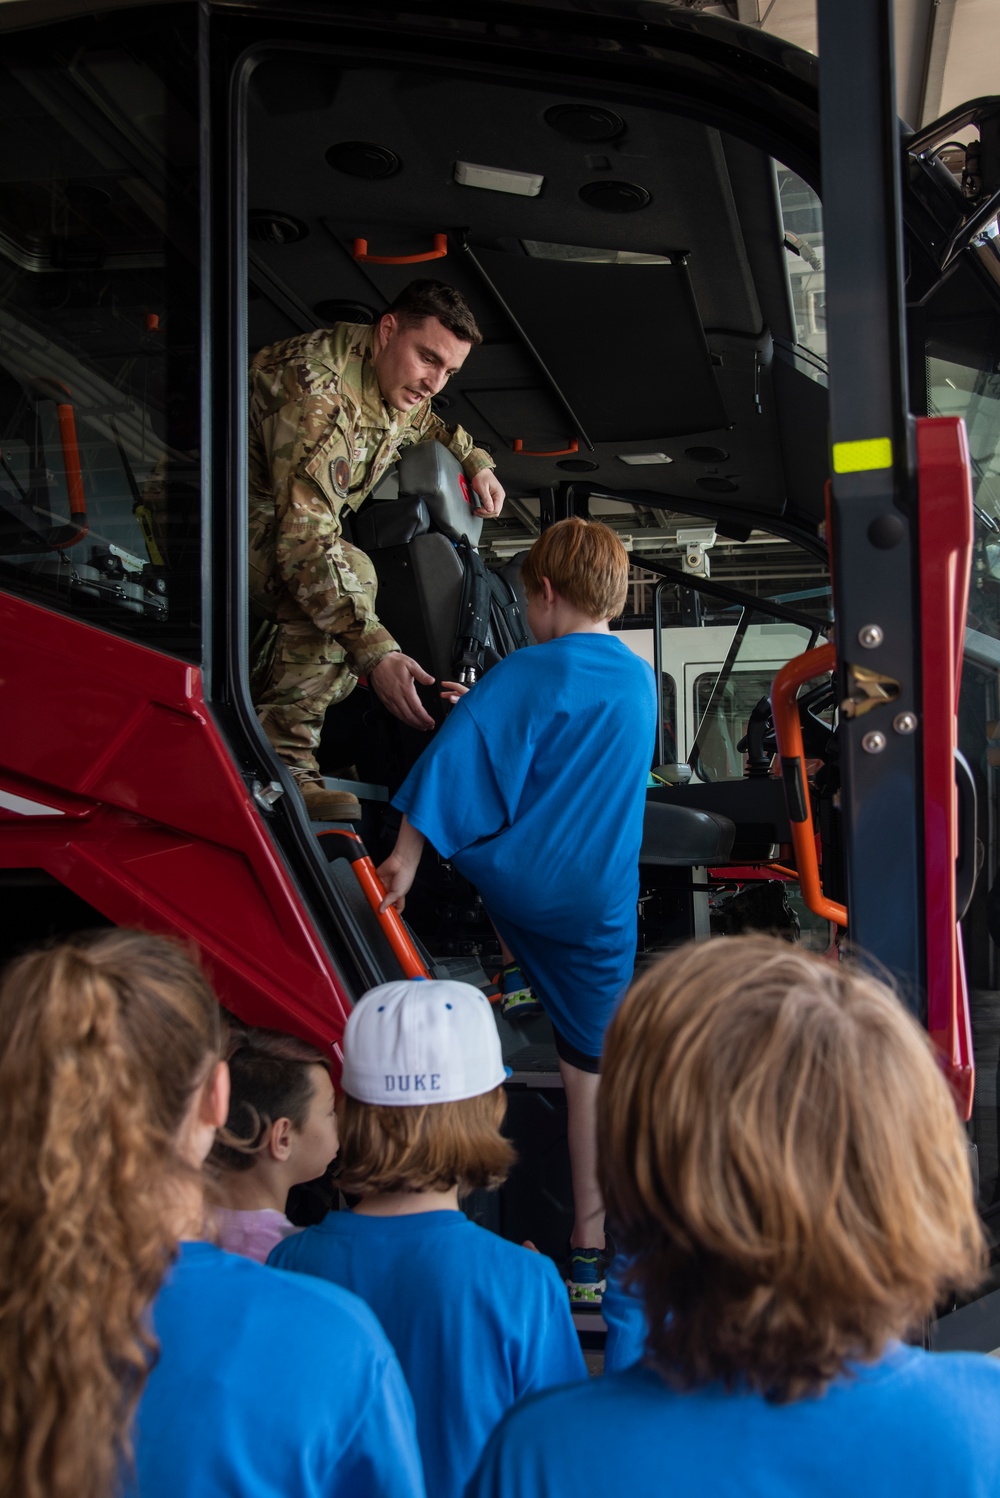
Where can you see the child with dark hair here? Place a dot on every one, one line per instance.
(784, 1163)
(477, 1322)
(137, 1357)
(281, 1105)
(535, 789)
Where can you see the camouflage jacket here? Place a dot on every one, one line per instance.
(321, 438)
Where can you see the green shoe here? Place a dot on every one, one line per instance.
(588, 1273)
(585, 1284)
(518, 1000)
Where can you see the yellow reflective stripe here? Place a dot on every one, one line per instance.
(860, 457)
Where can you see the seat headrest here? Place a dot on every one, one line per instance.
(376, 526)
(432, 472)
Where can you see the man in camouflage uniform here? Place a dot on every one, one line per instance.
(329, 412)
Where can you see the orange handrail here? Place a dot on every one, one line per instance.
(390, 920)
(54, 390)
(74, 475)
(439, 251)
(557, 452)
(791, 749)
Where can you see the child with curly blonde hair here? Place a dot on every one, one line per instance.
(137, 1357)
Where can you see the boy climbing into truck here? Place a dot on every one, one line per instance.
(534, 789)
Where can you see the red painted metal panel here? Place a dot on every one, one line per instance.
(158, 828)
(946, 532)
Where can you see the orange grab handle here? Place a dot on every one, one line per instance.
(793, 768)
(390, 920)
(557, 452)
(439, 251)
(74, 474)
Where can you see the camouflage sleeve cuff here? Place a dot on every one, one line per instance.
(476, 461)
(374, 645)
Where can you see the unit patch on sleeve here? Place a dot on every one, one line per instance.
(341, 475)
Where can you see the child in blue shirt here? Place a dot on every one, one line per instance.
(784, 1163)
(476, 1322)
(138, 1358)
(535, 789)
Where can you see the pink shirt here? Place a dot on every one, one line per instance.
(252, 1234)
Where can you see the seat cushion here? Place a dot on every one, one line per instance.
(675, 836)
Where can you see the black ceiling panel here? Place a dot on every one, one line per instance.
(631, 357)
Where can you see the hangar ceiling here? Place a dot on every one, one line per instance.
(946, 50)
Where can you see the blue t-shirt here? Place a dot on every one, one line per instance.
(625, 1318)
(476, 1322)
(269, 1386)
(923, 1425)
(535, 788)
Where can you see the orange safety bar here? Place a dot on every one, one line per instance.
(788, 728)
(557, 452)
(390, 920)
(439, 251)
(55, 390)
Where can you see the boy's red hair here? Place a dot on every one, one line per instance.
(586, 564)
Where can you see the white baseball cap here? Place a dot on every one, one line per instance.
(421, 1041)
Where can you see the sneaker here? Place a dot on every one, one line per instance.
(329, 806)
(588, 1273)
(517, 998)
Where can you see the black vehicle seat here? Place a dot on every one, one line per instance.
(755, 805)
(420, 544)
(683, 837)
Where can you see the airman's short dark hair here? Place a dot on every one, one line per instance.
(423, 299)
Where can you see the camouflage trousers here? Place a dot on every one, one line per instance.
(296, 673)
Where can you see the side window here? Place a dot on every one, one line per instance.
(99, 401)
(723, 656)
(668, 715)
(723, 716)
(724, 700)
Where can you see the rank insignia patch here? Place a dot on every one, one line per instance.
(341, 476)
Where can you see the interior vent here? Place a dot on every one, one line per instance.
(362, 158)
(588, 122)
(717, 486)
(615, 197)
(706, 454)
(338, 310)
(576, 465)
(274, 228)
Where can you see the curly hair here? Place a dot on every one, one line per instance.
(784, 1163)
(104, 1041)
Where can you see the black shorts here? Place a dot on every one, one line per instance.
(569, 1053)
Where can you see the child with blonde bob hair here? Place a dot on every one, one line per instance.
(785, 1165)
(477, 1322)
(535, 790)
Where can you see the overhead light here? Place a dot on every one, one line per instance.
(639, 460)
(498, 179)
